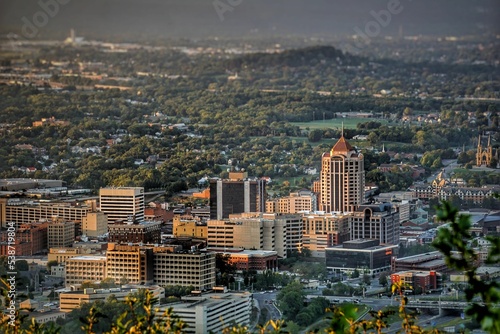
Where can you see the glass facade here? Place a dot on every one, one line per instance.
(373, 259)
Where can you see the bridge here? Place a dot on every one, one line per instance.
(434, 304)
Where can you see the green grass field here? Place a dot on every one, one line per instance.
(300, 140)
(336, 123)
(329, 142)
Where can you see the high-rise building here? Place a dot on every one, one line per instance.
(256, 230)
(187, 268)
(60, 233)
(342, 178)
(247, 233)
(122, 203)
(131, 264)
(377, 221)
(287, 232)
(238, 194)
(163, 265)
(321, 230)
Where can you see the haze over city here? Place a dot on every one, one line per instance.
(249, 166)
(152, 19)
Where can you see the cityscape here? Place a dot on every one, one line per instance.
(213, 170)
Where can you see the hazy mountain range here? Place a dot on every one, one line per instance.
(199, 18)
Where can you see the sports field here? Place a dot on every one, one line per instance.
(336, 123)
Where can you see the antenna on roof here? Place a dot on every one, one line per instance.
(342, 134)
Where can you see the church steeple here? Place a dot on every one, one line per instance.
(484, 155)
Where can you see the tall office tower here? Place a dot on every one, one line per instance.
(342, 178)
(122, 203)
(238, 194)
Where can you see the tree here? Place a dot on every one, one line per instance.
(407, 111)
(493, 163)
(124, 280)
(355, 273)
(3, 265)
(89, 284)
(107, 283)
(452, 240)
(225, 269)
(341, 289)
(291, 300)
(51, 264)
(367, 279)
(22, 265)
(305, 252)
(315, 135)
(383, 279)
(437, 163)
(373, 138)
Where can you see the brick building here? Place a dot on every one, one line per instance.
(30, 239)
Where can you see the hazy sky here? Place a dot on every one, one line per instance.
(200, 18)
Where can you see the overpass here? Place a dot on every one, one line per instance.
(440, 305)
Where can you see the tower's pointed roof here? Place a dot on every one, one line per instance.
(342, 146)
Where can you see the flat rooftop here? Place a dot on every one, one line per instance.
(363, 249)
(88, 258)
(206, 299)
(421, 257)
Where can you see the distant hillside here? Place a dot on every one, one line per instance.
(294, 58)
